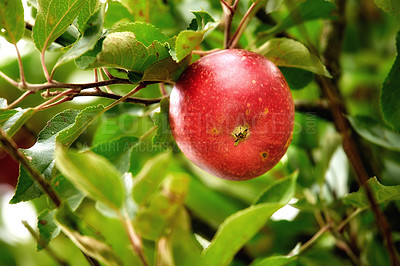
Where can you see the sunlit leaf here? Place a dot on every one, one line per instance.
(92, 174)
(235, 231)
(382, 194)
(280, 191)
(390, 93)
(12, 24)
(376, 133)
(53, 18)
(166, 70)
(290, 53)
(149, 178)
(85, 237)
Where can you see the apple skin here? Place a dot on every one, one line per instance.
(232, 114)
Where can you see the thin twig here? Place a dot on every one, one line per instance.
(9, 80)
(103, 94)
(51, 101)
(49, 251)
(330, 89)
(20, 99)
(341, 226)
(96, 79)
(11, 147)
(203, 53)
(321, 231)
(229, 12)
(242, 25)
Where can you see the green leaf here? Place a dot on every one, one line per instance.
(155, 220)
(274, 261)
(65, 127)
(140, 9)
(12, 23)
(85, 237)
(117, 151)
(87, 11)
(5, 115)
(149, 178)
(187, 40)
(390, 93)
(66, 191)
(116, 13)
(48, 228)
(290, 53)
(88, 40)
(280, 191)
(306, 11)
(390, 6)
(235, 231)
(16, 121)
(382, 194)
(163, 136)
(296, 78)
(53, 18)
(375, 132)
(165, 70)
(132, 46)
(92, 174)
(90, 57)
(144, 32)
(42, 156)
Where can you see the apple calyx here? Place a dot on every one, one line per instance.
(241, 133)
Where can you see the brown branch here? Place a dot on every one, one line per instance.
(12, 149)
(330, 90)
(73, 94)
(319, 108)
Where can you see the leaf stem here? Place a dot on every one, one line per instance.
(242, 25)
(46, 104)
(21, 67)
(11, 147)
(135, 240)
(49, 251)
(314, 238)
(341, 226)
(9, 80)
(20, 99)
(45, 71)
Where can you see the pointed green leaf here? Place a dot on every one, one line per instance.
(149, 178)
(92, 174)
(88, 40)
(17, 120)
(53, 18)
(12, 24)
(187, 40)
(65, 127)
(67, 192)
(382, 194)
(165, 70)
(87, 11)
(85, 237)
(235, 231)
(376, 133)
(144, 32)
(117, 151)
(390, 93)
(290, 53)
(280, 191)
(48, 228)
(390, 6)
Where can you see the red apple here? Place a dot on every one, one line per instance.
(232, 114)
